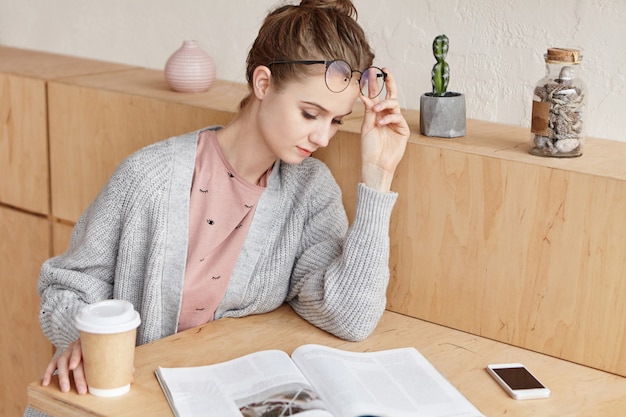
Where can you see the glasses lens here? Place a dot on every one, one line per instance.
(372, 82)
(338, 75)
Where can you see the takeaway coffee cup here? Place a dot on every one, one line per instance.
(107, 336)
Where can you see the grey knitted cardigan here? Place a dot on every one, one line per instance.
(131, 244)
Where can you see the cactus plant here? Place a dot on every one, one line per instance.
(442, 112)
(441, 70)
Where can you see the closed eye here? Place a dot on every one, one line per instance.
(309, 116)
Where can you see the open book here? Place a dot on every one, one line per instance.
(317, 381)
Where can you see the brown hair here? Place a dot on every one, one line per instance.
(315, 29)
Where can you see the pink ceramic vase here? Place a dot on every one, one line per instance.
(190, 69)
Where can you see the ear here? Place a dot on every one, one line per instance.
(261, 78)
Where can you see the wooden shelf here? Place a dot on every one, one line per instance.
(49, 66)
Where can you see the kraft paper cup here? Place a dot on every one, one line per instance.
(107, 336)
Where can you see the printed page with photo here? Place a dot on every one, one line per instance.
(264, 383)
(317, 381)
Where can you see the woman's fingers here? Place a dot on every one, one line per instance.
(50, 369)
(76, 355)
(390, 86)
(68, 362)
(76, 366)
(79, 379)
(63, 371)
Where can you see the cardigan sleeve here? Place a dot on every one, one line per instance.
(339, 282)
(84, 273)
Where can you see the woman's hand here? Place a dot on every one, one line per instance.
(384, 135)
(70, 361)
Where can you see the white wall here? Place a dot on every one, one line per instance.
(496, 54)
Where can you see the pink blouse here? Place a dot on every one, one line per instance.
(221, 209)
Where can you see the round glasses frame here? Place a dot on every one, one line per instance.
(379, 73)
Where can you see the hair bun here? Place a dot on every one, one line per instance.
(340, 6)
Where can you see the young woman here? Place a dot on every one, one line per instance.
(232, 221)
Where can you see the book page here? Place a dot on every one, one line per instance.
(393, 383)
(260, 384)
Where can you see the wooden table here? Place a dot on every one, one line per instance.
(459, 356)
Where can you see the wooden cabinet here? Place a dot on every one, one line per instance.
(23, 143)
(23, 122)
(24, 351)
(25, 215)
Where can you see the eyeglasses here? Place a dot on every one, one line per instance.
(339, 74)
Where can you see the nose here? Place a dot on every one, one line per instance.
(321, 136)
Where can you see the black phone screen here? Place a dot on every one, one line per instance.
(518, 378)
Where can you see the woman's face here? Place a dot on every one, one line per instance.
(303, 116)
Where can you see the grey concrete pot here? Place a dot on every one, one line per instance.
(443, 116)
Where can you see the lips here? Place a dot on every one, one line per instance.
(304, 152)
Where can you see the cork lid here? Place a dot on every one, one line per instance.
(565, 55)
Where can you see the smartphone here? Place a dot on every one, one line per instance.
(517, 381)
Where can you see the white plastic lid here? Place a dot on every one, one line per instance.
(107, 317)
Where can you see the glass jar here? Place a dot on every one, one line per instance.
(557, 127)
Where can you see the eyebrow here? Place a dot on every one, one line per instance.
(322, 108)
